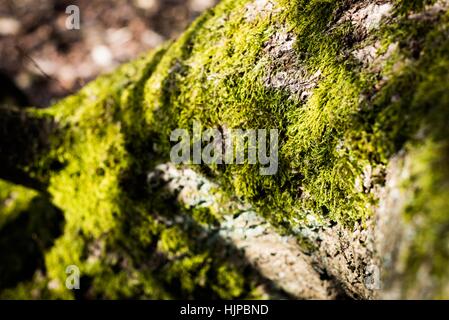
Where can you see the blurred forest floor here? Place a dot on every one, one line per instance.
(42, 61)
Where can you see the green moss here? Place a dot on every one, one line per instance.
(427, 110)
(410, 6)
(36, 288)
(111, 229)
(117, 129)
(204, 216)
(222, 85)
(13, 200)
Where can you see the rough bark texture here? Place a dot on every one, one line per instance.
(359, 93)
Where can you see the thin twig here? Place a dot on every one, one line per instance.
(26, 55)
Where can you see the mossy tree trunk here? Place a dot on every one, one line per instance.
(358, 91)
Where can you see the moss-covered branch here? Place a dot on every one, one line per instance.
(359, 93)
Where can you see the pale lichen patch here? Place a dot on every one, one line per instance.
(371, 57)
(259, 8)
(285, 70)
(367, 16)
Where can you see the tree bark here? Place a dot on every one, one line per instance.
(25, 139)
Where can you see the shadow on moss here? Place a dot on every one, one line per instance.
(24, 240)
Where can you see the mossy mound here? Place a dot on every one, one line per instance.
(297, 66)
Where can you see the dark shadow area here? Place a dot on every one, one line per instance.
(24, 240)
(10, 93)
(48, 61)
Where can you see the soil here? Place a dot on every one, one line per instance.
(43, 61)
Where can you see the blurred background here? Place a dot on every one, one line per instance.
(42, 61)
